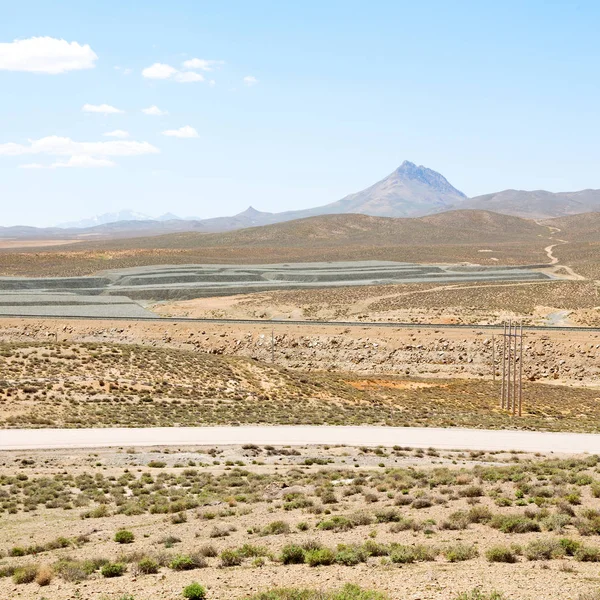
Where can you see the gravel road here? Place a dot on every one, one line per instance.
(416, 437)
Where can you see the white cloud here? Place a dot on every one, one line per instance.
(154, 111)
(85, 162)
(46, 55)
(202, 64)
(188, 77)
(250, 80)
(32, 166)
(212, 83)
(80, 154)
(182, 132)
(105, 109)
(159, 71)
(125, 71)
(74, 162)
(164, 71)
(117, 133)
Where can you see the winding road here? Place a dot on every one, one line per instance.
(415, 437)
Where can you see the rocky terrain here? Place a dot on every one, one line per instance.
(559, 357)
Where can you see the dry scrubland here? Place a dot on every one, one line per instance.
(511, 240)
(90, 260)
(102, 385)
(405, 524)
(480, 303)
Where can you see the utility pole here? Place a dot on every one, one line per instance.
(504, 368)
(511, 394)
(508, 360)
(493, 358)
(515, 382)
(521, 375)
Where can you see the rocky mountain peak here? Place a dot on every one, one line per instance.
(408, 171)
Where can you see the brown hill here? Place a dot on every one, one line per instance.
(578, 228)
(537, 204)
(448, 228)
(452, 237)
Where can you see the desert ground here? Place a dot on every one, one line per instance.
(393, 521)
(144, 523)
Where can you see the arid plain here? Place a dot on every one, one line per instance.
(142, 523)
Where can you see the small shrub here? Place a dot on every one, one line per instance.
(113, 570)
(276, 528)
(194, 591)
(230, 558)
(408, 554)
(209, 551)
(569, 546)
(250, 551)
(460, 552)
(350, 555)
(218, 532)
(292, 555)
(185, 562)
(336, 523)
(124, 537)
(422, 503)
(322, 556)
(373, 548)
(501, 554)
(457, 521)
(44, 575)
(514, 524)
(479, 514)
(25, 574)
(544, 549)
(587, 554)
(148, 566)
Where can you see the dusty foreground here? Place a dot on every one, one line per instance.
(384, 437)
(246, 519)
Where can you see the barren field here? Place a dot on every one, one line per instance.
(103, 384)
(12, 244)
(142, 524)
(535, 303)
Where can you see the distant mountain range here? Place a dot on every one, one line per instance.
(116, 217)
(410, 191)
(537, 204)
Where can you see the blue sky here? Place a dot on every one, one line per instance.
(492, 95)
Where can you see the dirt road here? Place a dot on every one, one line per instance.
(415, 437)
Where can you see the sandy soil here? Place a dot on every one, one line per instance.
(265, 486)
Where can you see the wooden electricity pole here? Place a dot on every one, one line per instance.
(515, 382)
(521, 374)
(504, 368)
(493, 358)
(511, 394)
(508, 365)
